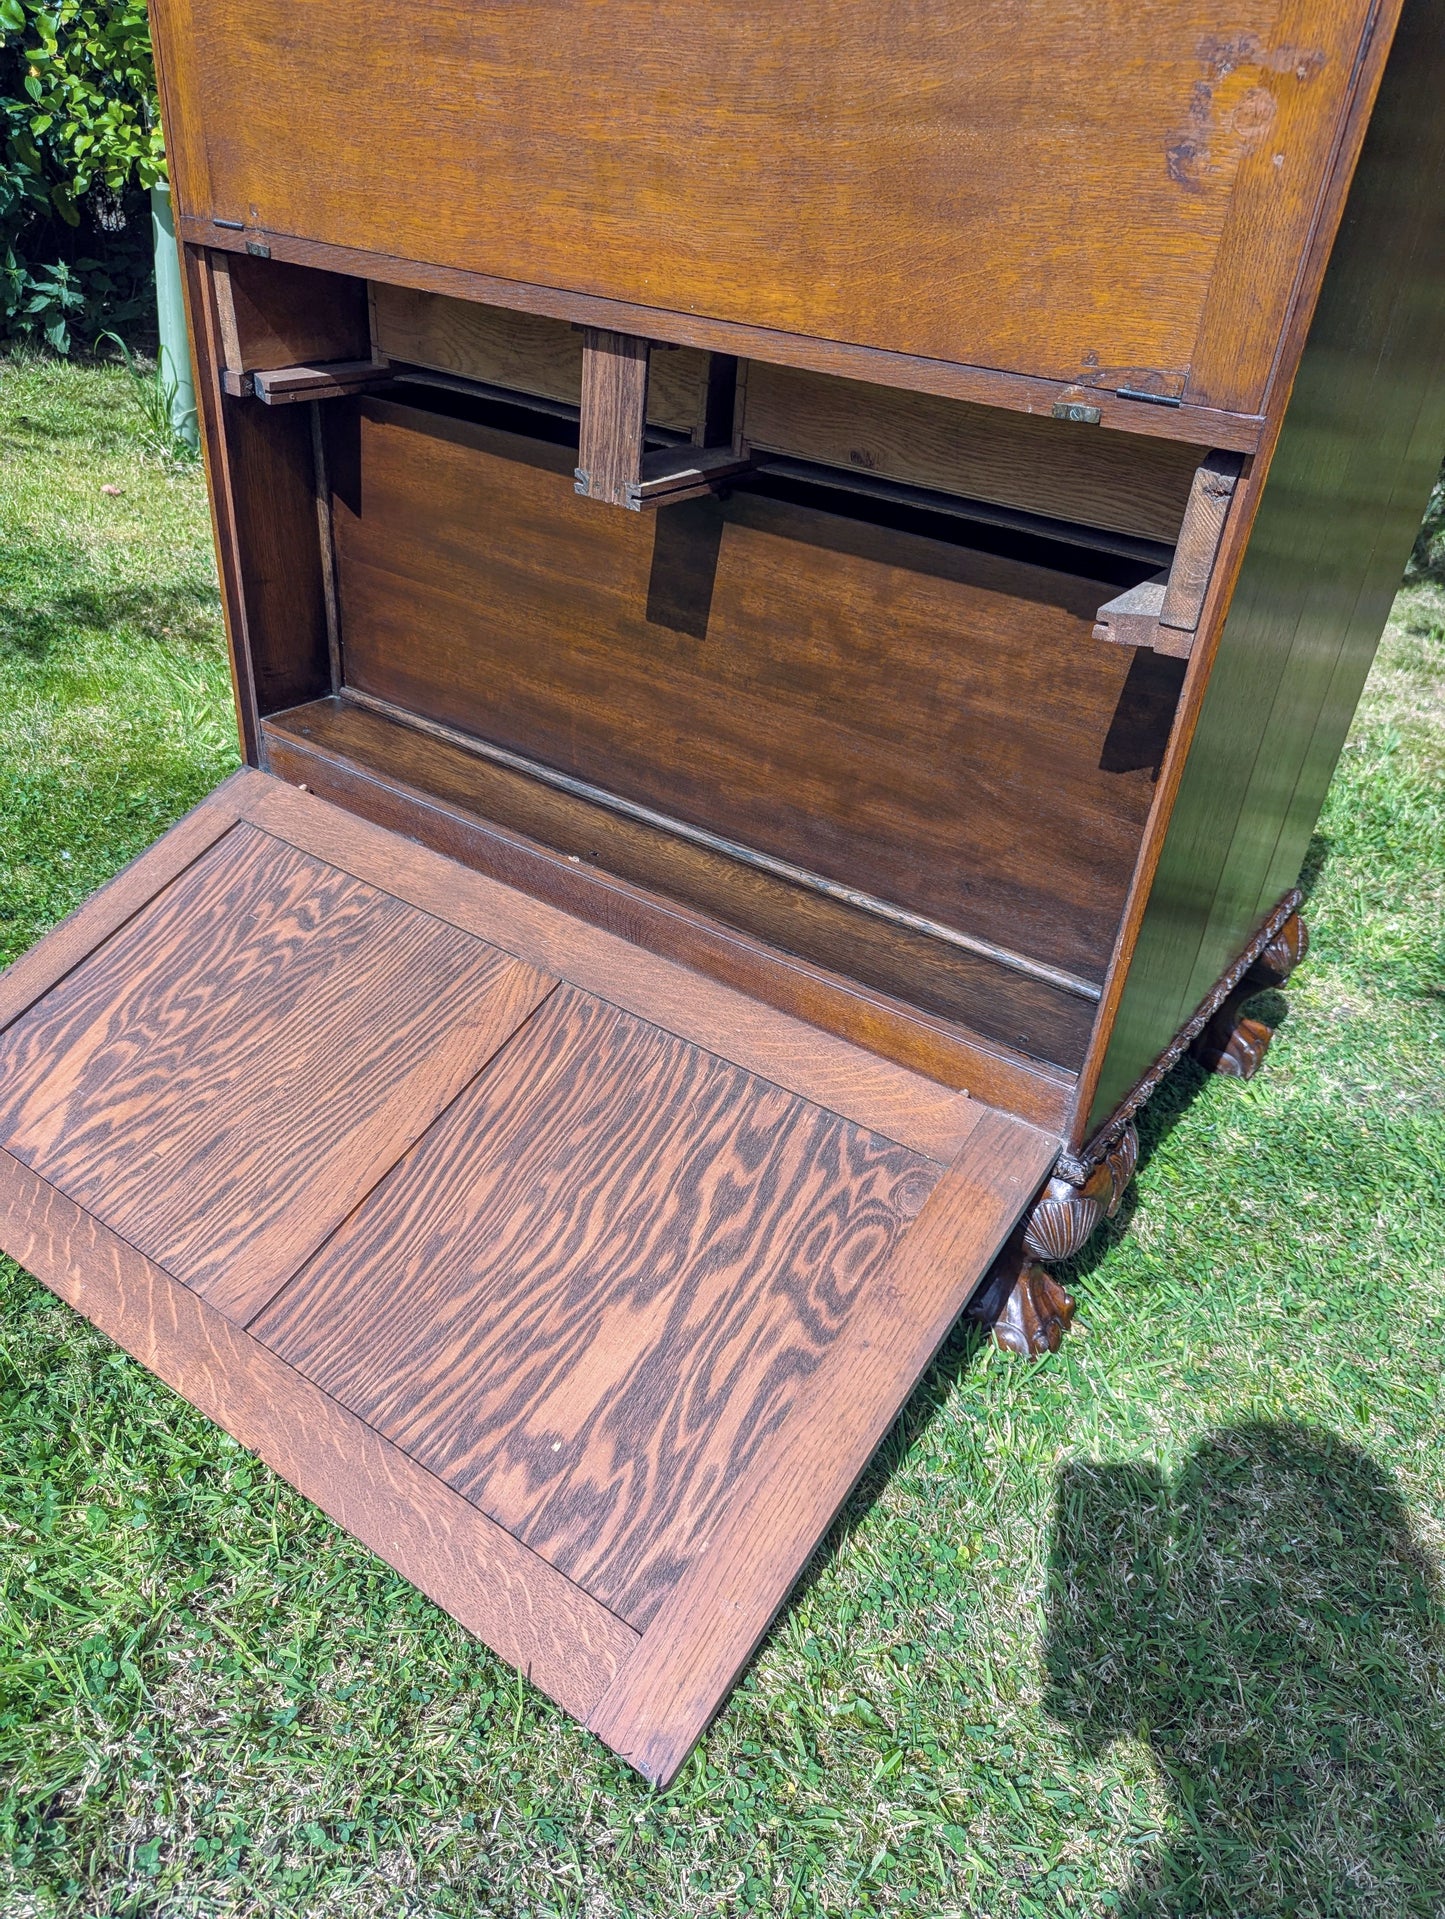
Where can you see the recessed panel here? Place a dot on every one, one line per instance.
(226, 1077)
(591, 1298)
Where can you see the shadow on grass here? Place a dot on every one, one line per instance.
(1267, 1622)
(38, 615)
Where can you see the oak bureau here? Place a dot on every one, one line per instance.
(796, 577)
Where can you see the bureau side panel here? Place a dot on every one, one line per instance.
(1359, 447)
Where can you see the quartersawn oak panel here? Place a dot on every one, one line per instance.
(224, 1079)
(589, 1299)
(523, 1608)
(1027, 186)
(837, 693)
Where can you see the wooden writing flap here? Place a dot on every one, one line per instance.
(1119, 197)
(577, 1286)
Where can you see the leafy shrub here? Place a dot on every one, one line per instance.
(1427, 562)
(82, 148)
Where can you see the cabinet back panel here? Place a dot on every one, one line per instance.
(928, 721)
(1051, 189)
(1119, 481)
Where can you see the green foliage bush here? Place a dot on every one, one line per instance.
(82, 148)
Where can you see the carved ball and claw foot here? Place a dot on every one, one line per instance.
(1023, 1305)
(1232, 1044)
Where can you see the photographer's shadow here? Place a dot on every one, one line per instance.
(1268, 1623)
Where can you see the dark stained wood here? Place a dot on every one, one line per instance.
(273, 485)
(637, 1273)
(1232, 1044)
(600, 1288)
(525, 351)
(1068, 472)
(632, 1246)
(1131, 618)
(227, 1076)
(876, 366)
(207, 360)
(564, 1641)
(670, 475)
(706, 1629)
(272, 314)
(824, 961)
(1359, 447)
(908, 1107)
(1044, 191)
(614, 415)
(1024, 1308)
(830, 690)
(262, 474)
(325, 380)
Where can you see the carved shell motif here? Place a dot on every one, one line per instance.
(1283, 954)
(1062, 1219)
(1064, 1215)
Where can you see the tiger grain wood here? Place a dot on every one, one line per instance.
(490, 820)
(916, 1111)
(27, 979)
(227, 1076)
(601, 1286)
(705, 1630)
(527, 1612)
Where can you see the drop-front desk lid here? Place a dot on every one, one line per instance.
(1118, 196)
(578, 1286)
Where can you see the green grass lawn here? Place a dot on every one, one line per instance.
(1151, 1627)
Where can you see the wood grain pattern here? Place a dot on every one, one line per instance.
(878, 366)
(594, 1295)
(525, 351)
(226, 1077)
(208, 357)
(905, 1106)
(952, 1014)
(1122, 482)
(1114, 480)
(1282, 194)
(526, 1611)
(850, 703)
(1042, 188)
(1210, 495)
(65, 946)
(273, 314)
(1346, 485)
(614, 414)
(701, 1637)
